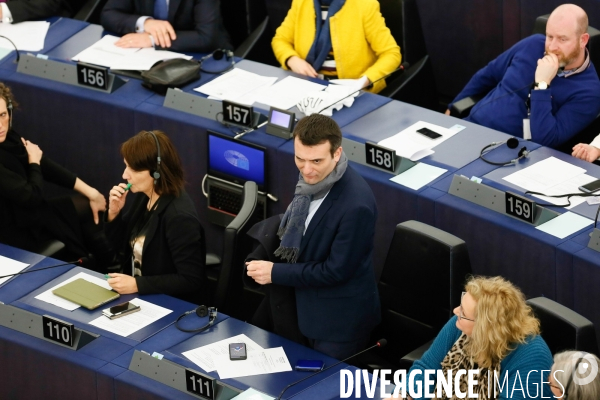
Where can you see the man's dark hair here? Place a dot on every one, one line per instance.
(317, 129)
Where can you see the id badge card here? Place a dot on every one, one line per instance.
(526, 129)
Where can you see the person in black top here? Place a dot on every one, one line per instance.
(160, 240)
(28, 217)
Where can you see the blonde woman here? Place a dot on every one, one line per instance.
(575, 374)
(493, 330)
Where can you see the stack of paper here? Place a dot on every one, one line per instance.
(9, 266)
(128, 324)
(28, 36)
(105, 53)
(215, 356)
(288, 92)
(237, 85)
(410, 144)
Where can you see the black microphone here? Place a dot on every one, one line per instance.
(380, 343)
(400, 68)
(81, 262)
(17, 50)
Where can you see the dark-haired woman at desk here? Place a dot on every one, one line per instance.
(159, 239)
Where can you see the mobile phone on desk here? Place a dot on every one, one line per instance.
(590, 187)
(237, 351)
(121, 310)
(429, 133)
(309, 365)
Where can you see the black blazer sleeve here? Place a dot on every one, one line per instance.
(197, 23)
(26, 10)
(28, 192)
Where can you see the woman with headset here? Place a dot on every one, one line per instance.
(575, 376)
(28, 219)
(159, 239)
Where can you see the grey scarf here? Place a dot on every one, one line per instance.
(291, 228)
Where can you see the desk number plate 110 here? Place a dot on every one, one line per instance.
(520, 207)
(380, 157)
(199, 385)
(58, 331)
(92, 76)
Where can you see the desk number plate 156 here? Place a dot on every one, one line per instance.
(58, 331)
(520, 207)
(199, 385)
(92, 76)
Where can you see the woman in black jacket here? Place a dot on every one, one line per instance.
(27, 217)
(160, 239)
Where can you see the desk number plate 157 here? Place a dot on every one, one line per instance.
(92, 76)
(200, 385)
(520, 207)
(58, 331)
(238, 114)
(380, 157)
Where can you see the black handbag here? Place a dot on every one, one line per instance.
(169, 74)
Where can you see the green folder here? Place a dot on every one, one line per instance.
(86, 293)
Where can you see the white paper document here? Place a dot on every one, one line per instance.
(51, 298)
(569, 186)
(287, 92)
(267, 361)
(105, 53)
(29, 36)
(418, 176)
(235, 85)
(9, 266)
(204, 356)
(565, 224)
(544, 174)
(252, 394)
(131, 323)
(410, 144)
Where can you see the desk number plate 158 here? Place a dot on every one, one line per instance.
(380, 157)
(92, 76)
(58, 331)
(199, 385)
(520, 207)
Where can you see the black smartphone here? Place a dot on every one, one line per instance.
(309, 365)
(429, 133)
(590, 187)
(237, 351)
(120, 310)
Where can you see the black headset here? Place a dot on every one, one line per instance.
(156, 174)
(566, 394)
(217, 55)
(201, 311)
(512, 143)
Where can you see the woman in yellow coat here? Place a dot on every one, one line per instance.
(349, 40)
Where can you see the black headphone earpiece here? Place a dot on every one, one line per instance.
(512, 143)
(156, 173)
(9, 107)
(218, 55)
(201, 311)
(566, 393)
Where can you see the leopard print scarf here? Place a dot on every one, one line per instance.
(457, 359)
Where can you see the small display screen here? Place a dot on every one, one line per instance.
(280, 119)
(236, 161)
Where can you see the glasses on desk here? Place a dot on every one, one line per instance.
(462, 314)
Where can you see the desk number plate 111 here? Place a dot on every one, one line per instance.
(58, 331)
(199, 385)
(520, 207)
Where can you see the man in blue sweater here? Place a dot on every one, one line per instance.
(543, 88)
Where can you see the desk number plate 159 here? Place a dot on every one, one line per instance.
(380, 157)
(199, 385)
(58, 331)
(520, 207)
(92, 76)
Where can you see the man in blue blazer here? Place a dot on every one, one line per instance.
(177, 25)
(327, 244)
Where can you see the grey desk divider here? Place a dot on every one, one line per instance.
(594, 242)
(492, 198)
(173, 375)
(355, 151)
(31, 324)
(61, 72)
(192, 104)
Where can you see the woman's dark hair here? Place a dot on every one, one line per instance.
(141, 154)
(6, 94)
